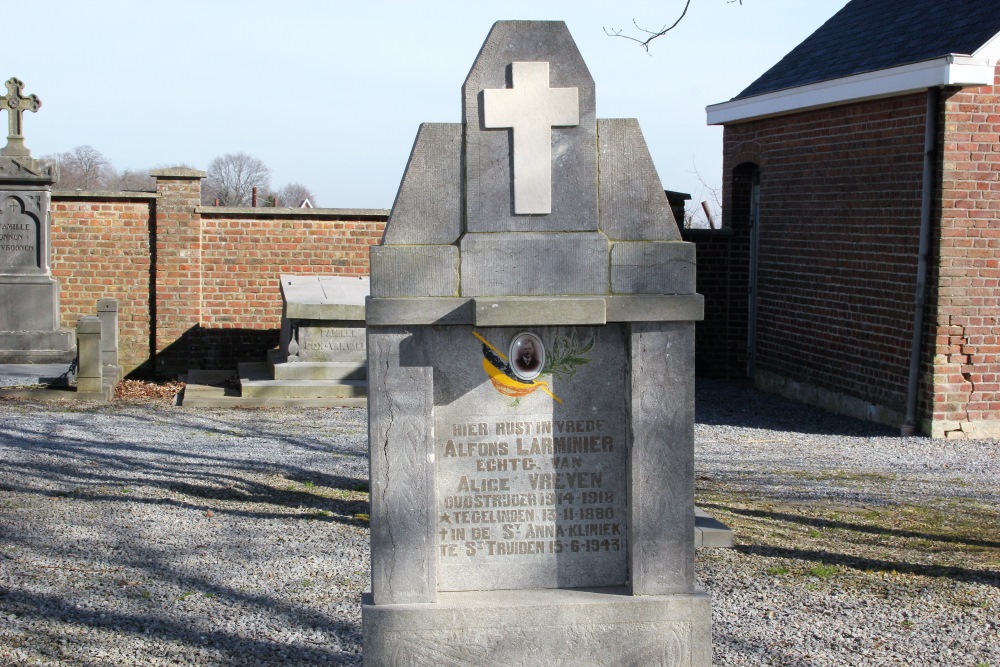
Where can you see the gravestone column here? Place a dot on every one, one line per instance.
(29, 296)
(90, 371)
(531, 385)
(107, 312)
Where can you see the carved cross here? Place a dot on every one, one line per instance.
(16, 104)
(531, 109)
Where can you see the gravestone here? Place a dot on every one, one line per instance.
(29, 296)
(531, 385)
(321, 350)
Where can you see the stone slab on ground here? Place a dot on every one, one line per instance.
(19, 375)
(219, 389)
(256, 382)
(710, 533)
(50, 382)
(331, 370)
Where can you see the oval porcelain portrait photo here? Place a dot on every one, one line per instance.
(527, 356)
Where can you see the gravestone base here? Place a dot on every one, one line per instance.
(29, 303)
(29, 322)
(541, 627)
(37, 347)
(257, 380)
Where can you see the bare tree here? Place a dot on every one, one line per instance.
(293, 195)
(653, 34)
(83, 168)
(134, 180)
(232, 178)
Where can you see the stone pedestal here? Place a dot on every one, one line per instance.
(531, 402)
(90, 374)
(540, 628)
(107, 313)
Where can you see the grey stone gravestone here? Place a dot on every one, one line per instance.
(29, 296)
(531, 385)
(321, 351)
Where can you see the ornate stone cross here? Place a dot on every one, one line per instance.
(531, 109)
(16, 104)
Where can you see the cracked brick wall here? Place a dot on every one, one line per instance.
(966, 362)
(840, 216)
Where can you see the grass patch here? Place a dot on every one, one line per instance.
(949, 540)
(823, 571)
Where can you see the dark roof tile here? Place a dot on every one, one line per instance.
(869, 35)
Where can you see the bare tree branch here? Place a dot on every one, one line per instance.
(293, 195)
(232, 178)
(83, 168)
(653, 34)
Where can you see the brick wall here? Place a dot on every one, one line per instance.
(176, 306)
(101, 248)
(721, 337)
(197, 286)
(966, 376)
(242, 256)
(839, 234)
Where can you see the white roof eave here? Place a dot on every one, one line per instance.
(951, 70)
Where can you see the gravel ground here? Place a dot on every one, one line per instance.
(854, 546)
(143, 534)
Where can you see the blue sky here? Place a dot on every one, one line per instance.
(329, 94)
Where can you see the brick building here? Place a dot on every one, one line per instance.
(859, 263)
(197, 285)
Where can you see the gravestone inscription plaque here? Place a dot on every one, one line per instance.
(18, 236)
(531, 385)
(531, 488)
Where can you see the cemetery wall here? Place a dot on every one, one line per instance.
(839, 233)
(245, 250)
(966, 334)
(723, 263)
(197, 286)
(101, 248)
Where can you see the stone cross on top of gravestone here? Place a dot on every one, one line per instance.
(16, 104)
(531, 109)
